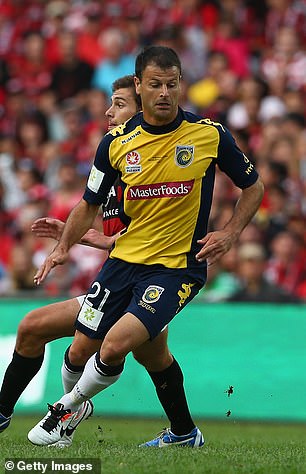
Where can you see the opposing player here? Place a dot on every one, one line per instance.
(166, 159)
(57, 320)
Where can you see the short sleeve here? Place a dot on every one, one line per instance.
(102, 175)
(232, 161)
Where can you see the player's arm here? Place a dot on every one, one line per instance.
(215, 244)
(82, 216)
(48, 227)
(232, 161)
(94, 238)
(53, 228)
(78, 223)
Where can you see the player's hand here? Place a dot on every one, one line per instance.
(96, 239)
(48, 227)
(215, 244)
(57, 257)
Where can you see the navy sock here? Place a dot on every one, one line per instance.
(18, 375)
(70, 367)
(169, 385)
(108, 370)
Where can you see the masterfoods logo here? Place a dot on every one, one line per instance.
(160, 190)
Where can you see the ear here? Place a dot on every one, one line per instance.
(137, 84)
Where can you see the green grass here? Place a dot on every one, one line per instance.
(231, 447)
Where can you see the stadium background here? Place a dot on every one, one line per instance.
(243, 65)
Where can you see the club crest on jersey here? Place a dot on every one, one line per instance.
(184, 155)
(133, 162)
(152, 293)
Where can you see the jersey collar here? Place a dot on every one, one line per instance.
(160, 129)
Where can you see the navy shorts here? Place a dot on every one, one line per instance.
(152, 293)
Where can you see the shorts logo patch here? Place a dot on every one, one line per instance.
(152, 294)
(185, 292)
(90, 317)
(133, 162)
(89, 314)
(184, 155)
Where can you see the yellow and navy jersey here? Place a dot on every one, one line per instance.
(167, 174)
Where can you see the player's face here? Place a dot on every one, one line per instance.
(123, 107)
(159, 90)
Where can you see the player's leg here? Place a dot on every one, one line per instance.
(92, 325)
(98, 375)
(59, 425)
(161, 297)
(154, 355)
(75, 358)
(46, 324)
(100, 316)
(168, 379)
(36, 329)
(130, 333)
(104, 368)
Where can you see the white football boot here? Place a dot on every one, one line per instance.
(52, 427)
(83, 413)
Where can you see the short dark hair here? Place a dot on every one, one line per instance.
(127, 82)
(162, 56)
(295, 117)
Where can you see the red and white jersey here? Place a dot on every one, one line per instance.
(112, 223)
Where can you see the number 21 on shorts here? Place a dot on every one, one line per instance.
(90, 315)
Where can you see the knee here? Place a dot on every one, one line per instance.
(27, 334)
(28, 325)
(140, 358)
(152, 361)
(79, 354)
(113, 351)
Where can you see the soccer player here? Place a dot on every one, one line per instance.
(57, 320)
(166, 159)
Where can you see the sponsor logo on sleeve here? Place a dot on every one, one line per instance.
(184, 155)
(174, 189)
(250, 165)
(133, 162)
(95, 179)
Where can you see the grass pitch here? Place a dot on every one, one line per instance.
(231, 447)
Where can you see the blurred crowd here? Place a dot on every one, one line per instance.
(244, 65)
